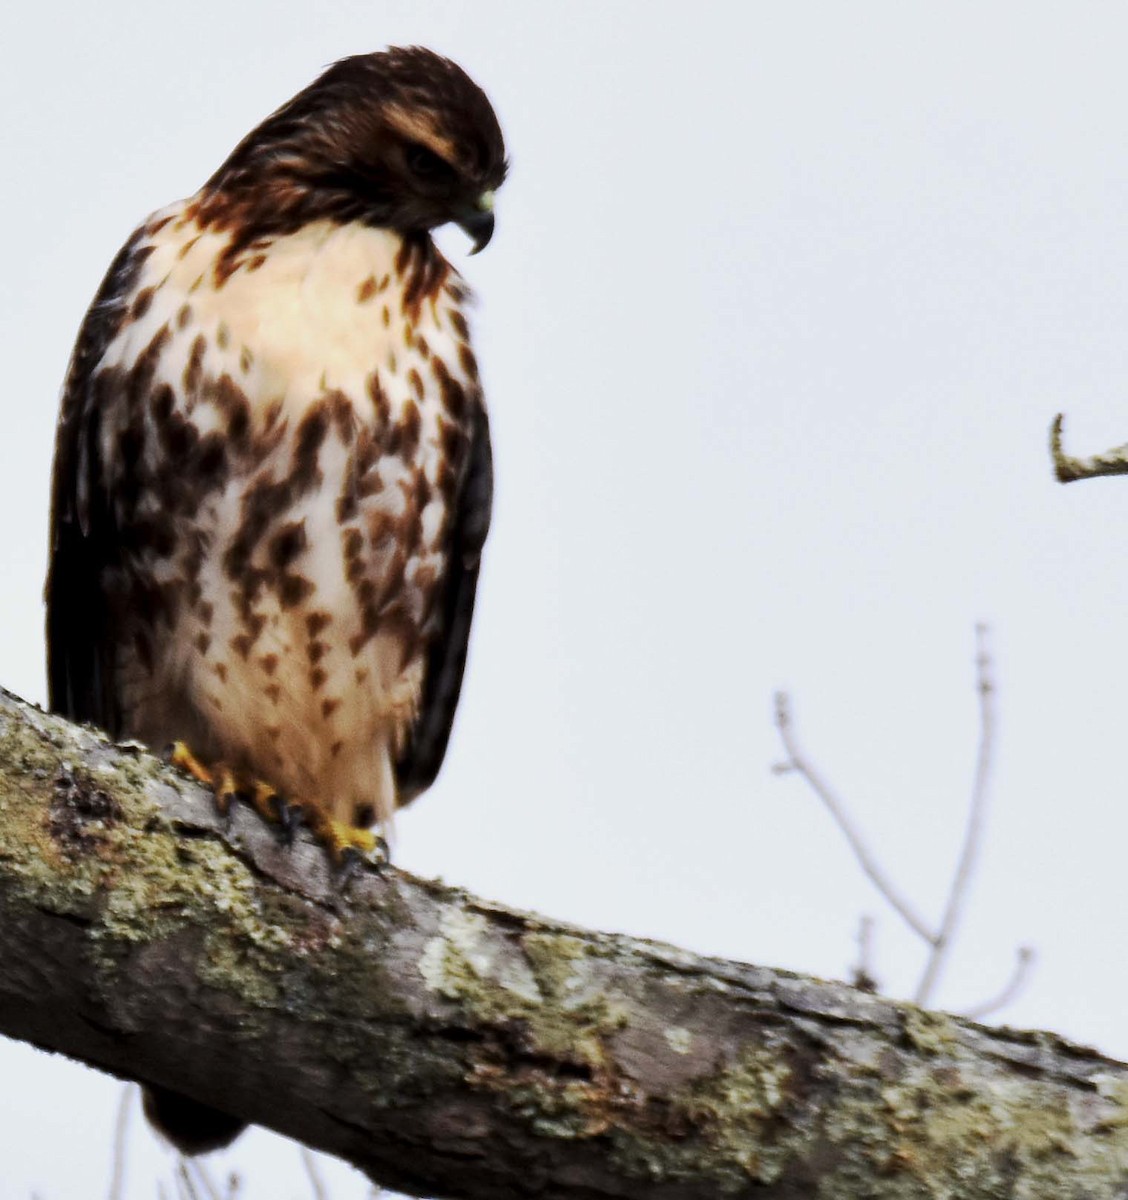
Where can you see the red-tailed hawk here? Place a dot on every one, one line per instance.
(272, 475)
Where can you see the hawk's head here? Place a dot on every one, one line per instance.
(402, 139)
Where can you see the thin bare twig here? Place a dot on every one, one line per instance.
(973, 832)
(316, 1183)
(203, 1179)
(862, 976)
(798, 762)
(940, 941)
(1067, 468)
(121, 1129)
(1023, 964)
(185, 1188)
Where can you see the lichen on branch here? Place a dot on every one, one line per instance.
(449, 1046)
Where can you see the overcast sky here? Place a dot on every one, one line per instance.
(780, 305)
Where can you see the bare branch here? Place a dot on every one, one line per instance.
(798, 762)
(940, 941)
(185, 1188)
(1067, 469)
(1023, 965)
(862, 976)
(121, 1133)
(448, 1046)
(973, 832)
(316, 1183)
(203, 1178)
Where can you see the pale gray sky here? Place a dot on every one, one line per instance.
(781, 303)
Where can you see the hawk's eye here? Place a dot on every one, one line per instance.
(426, 164)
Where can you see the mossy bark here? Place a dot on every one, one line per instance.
(453, 1047)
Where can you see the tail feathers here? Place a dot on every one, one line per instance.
(192, 1127)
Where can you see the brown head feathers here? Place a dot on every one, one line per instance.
(401, 139)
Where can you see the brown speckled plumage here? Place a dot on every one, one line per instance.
(272, 477)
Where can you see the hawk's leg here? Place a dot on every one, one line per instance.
(228, 785)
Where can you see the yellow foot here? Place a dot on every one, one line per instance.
(229, 785)
(348, 845)
(180, 756)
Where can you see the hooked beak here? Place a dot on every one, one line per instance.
(478, 222)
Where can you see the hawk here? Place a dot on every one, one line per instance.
(273, 478)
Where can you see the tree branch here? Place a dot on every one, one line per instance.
(798, 762)
(939, 942)
(1068, 469)
(1023, 961)
(973, 831)
(452, 1047)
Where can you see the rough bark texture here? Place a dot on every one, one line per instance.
(451, 1047)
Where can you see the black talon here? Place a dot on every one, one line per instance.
(352, 862)
(349, 867)
(225, 802)
(289, 817)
